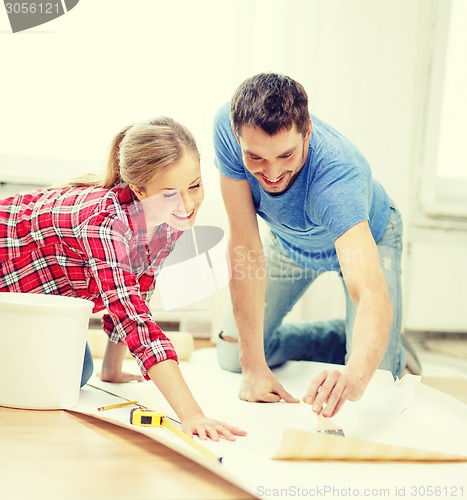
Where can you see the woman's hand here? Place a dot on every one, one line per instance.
(119, 377)
(206, 428)
(112, 365)
(169, 380)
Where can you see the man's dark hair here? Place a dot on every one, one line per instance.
(270, 101)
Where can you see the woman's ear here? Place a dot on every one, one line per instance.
(138, 192)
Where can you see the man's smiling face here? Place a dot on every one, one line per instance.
(275, 160)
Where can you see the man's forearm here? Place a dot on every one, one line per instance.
(247, 289)
(370, 333)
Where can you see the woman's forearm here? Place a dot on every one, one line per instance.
(113, 360)
(169, 380)
(112, 365)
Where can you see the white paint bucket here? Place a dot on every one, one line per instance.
(42, 343)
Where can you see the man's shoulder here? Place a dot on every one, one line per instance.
(332, 146)
(228, 153)
(327, 133)
(222, 115)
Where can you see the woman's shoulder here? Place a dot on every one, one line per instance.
(99, 197)
(107, 207)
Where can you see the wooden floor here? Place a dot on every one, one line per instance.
(61, 455)
(48, 455)
(456, 347)
(455, 387)
(452, 348)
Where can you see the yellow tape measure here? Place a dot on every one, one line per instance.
(150, 418)
(146, 418)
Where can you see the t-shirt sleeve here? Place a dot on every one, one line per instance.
(342, 196)
(128, 319)
(227, 152)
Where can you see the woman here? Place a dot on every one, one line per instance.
(105, 241)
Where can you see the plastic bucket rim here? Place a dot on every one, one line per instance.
(63, 302)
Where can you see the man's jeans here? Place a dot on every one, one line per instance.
(325, 341)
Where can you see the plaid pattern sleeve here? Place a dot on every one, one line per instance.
(124, 289)
(91, 243)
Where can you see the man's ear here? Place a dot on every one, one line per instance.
(138, 192)
(308, 130)
(237, 138)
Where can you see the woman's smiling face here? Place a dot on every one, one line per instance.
(174, 195)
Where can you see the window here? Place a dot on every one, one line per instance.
(444, 184)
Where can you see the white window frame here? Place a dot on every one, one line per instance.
(440, 196)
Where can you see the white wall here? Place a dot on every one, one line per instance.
(365, 63)
(69, 92)
(437, 286)
(360, 63)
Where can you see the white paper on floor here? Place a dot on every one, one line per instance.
(403, 413)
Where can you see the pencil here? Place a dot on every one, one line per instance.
(119, 405)
(188, 439)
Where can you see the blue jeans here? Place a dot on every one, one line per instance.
(324, 341)
(88, 366)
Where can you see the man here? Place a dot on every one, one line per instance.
(325, 212)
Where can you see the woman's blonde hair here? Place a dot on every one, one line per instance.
(140, 151)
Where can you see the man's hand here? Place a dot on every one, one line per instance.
(262, 386)
(330, 390)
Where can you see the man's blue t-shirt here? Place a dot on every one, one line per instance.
(333, 192)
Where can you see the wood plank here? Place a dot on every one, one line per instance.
(57, 454)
